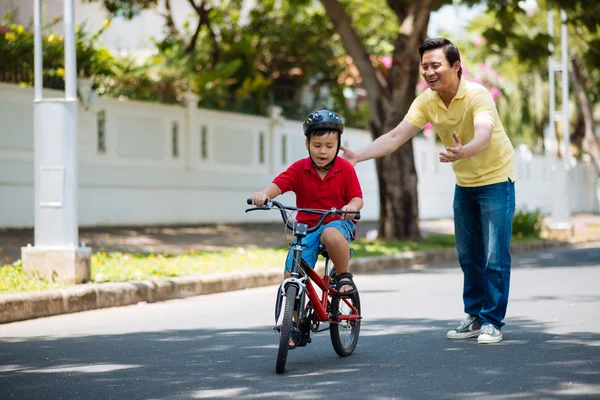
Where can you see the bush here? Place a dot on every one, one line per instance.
(16, 56)
(527, 223)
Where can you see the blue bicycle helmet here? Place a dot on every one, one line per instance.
(323, 120)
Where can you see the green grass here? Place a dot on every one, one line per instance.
(364, 248)
(122, 267)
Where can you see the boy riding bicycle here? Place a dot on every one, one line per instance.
(322, 181)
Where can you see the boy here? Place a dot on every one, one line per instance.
(322, 181)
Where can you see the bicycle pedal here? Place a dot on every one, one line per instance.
(277, 328)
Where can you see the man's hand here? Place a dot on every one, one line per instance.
(453, 153)
(259, 199)
(349, 155)
(348, 207)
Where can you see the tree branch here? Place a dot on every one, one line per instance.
(398, 7)
(405, 61)
(169, 16)
(372, 79)
(204, 19)
(590, 141)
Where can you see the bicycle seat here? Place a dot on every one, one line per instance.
(323, 251)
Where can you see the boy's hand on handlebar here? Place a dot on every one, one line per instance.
(349, 215)
(259, 199)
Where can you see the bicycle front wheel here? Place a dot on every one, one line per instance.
(344, 333)
(286, 327)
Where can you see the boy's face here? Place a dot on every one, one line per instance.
(323, 149)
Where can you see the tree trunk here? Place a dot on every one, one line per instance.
(389, 99)
(171, 28)
(589, 144)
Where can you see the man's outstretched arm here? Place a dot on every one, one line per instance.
(383, 145)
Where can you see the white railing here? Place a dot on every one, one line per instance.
(142, 163)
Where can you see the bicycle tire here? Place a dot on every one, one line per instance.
(344, 334)
(286, 328)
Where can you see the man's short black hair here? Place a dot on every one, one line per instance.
(450, 50)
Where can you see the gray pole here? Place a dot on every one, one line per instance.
(551, 85)
(565, 89)
(56, 249)
(70, 52)
(561, 211)
(37, 51)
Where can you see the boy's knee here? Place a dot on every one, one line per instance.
(332, 236)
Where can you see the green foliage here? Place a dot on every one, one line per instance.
(527, 224)
(120, 267)
(16, 56)
(14, 280)
(516, 43)
(365, 248)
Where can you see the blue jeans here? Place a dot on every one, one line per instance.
(310, 244)
(483, 226)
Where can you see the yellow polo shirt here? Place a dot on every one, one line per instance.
(472, 100)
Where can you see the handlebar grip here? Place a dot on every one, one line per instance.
(357, 216)
(249, 201)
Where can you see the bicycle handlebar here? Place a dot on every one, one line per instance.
(324, 213)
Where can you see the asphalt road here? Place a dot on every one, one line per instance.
(222, 346)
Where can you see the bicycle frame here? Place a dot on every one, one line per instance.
(320, 305)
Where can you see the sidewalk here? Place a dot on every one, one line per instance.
(178, 239)
(22, 306)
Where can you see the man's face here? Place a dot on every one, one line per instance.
(437, 71)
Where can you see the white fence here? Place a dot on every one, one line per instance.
(142, 164)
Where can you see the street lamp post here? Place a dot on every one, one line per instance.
(561, 212)
(56, 249)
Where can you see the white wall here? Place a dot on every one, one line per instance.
(140, 180)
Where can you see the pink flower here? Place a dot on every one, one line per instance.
(422, 85)
(495, 92)
(386, 61)
(479, 41)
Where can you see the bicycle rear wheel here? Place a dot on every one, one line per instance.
(286, 327)
(344, 333)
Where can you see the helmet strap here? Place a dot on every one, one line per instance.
(322, 169)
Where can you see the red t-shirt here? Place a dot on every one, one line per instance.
(339, 186)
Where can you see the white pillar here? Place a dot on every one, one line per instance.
(56, 249)
(191, 126)
(275, 114)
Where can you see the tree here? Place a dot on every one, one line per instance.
(243, 65)
(389, 99)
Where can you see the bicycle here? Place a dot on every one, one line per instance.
(342, 313)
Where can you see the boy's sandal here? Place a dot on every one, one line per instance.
(300, 337)
(345, 279)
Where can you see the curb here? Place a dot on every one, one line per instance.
(85, 297)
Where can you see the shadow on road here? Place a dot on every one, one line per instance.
(394, 359)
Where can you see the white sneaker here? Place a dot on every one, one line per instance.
(489, 334)
(466, 329)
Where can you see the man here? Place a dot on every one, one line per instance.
(465, 117)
